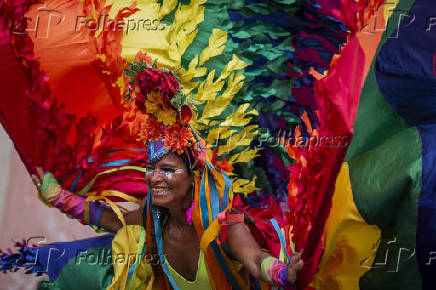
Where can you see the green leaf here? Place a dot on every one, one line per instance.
(289, 117)
(285, 1)
(277, 105)
(282, 88)
(260, 8)
(262, 180)
(236, 4)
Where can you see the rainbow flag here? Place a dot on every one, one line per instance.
(380, 232)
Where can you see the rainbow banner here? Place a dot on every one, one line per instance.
(380, 232)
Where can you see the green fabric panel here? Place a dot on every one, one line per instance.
(387, 196)
(375, 118)
(385, 171)
(91, 271)
(391, 171)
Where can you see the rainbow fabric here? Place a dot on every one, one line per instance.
(264, 75)
(380, 233)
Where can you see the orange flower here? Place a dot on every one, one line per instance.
(178, 138)
(140, 56)
(151, 130)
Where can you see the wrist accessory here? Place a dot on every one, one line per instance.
(276, 272)
(70, 203)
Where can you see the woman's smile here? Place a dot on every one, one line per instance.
(160, 191)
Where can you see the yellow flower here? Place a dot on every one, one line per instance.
(151, 107)
(153, 103)
(155, 97)
(155, 107)
(168, 117)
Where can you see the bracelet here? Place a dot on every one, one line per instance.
(95, 211)
(276, 272)
(50, 188)
(70, 203)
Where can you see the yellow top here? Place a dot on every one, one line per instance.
(125, 244)
(124, 253)
(201, 279)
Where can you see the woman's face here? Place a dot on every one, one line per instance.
(169, 182)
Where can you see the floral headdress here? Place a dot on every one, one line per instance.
(160, 110)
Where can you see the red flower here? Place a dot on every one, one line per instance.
(151, 130)
(178, 138)
(139, 102)
(140, 98)
(154, 79)
(169, 84)
(186, 114)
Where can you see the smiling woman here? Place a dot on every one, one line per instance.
(169, 181)
(173, 242)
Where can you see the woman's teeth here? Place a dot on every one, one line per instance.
(159, 191)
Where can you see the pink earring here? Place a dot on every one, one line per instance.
(188, 212)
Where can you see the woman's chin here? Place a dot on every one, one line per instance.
(160, 199)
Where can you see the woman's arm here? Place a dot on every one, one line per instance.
(63, 200)
(244, 247)
(110, 221)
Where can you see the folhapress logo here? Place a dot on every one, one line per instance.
(41, 24)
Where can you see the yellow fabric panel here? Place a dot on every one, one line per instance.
(389, 8)
(129, 235)
(142, 30)
(350, 241)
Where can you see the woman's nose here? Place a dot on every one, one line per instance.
(155, 176)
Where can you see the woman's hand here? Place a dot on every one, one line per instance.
(50, 190)
(295, 265)
(37, 180)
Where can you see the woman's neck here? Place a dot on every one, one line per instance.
(177, 218)
(177, 215)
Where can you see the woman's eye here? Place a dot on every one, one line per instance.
(167, 170)
(149, 168)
